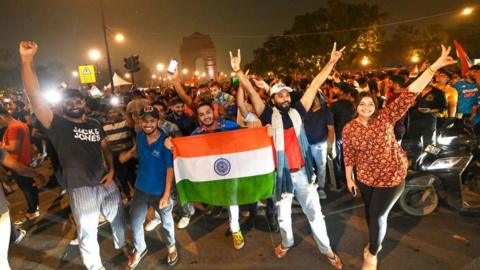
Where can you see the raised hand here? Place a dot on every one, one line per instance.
(336, 55)
(444, 60)
(235, 61)
(261, 84)
(27, 49)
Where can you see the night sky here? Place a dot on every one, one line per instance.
(67, 29)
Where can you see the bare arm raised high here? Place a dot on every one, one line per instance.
(309, 96)
(40, 106)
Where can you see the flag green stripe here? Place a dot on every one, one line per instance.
(236, 191)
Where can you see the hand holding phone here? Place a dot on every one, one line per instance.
(172, 67)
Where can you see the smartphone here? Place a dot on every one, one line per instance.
(172, 67)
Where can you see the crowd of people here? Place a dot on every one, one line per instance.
(114, 153)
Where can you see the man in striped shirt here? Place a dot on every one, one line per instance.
(119, 131)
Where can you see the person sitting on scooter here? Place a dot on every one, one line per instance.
(380, 163)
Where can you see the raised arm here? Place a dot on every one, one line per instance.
(309, 96)
(241, 102)
(257, 101)
(40, 106)
(422, 81)
(181, 91)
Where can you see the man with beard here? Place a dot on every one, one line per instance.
(209, 124)
(153, 185)
(83, 150)
(185, 123)
(294, 163)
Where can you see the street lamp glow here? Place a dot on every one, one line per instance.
(119, 37)
(154, 76)
(160, 67)
(204, 75)
(197, 73)
(185, 71)
(127, 75)
(75, 73)
(467, 11)
(365, 61)
(415, 58)
(94, 54)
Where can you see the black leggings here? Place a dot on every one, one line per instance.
(378, 203)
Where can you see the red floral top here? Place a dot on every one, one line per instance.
(378, 159)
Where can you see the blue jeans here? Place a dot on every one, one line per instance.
(138, 212)
(308, 198)
(319, 153)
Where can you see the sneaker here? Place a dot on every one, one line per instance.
(152, 224)
(21, 235)
(135, 258)
(238, 241)
(183, 222)
(322, 194)
(74, 242)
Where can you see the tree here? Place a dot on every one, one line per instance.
(304, 47)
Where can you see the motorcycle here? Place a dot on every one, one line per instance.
(448, 170)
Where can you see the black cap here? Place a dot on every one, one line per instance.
(150, 111)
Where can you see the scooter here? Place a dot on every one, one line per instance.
(449, 170)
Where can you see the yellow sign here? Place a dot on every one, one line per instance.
(87, 74)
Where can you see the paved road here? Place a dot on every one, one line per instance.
(441, 241)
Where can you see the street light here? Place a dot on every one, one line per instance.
(467, 11)
(127, 75)
(365, 61)
(185, 71)
(415, 58)
(119, 38)
(94, 54)
(75, 73)
(204, 75)
(197, 73)
(160, 67)
(154, 76)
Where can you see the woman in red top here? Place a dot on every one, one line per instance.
(380, 164)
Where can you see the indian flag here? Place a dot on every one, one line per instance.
(224, 168)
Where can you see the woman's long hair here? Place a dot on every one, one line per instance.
(363, 95)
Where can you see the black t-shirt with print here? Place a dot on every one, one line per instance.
(266, 117)
(79, 150)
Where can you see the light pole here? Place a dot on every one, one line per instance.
(110, 71)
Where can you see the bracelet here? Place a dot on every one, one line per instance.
(431, 70)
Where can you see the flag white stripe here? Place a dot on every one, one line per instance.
(242, 164)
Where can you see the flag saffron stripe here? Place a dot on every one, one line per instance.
(208, 144)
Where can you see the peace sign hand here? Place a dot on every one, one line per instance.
(235, 61)
(336, 55)
(444, 60)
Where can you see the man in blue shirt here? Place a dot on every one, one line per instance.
(154, 181)
(468, 94)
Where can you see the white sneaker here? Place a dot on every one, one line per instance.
(183, 222)
(152, 224)
(74, 242)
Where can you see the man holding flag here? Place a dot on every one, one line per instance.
(294, 163)
(209, 124)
